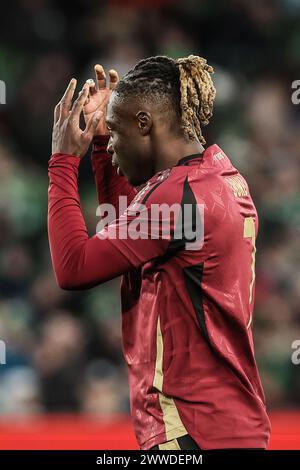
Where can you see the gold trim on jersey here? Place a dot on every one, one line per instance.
(173, 425)
(170, 445)
(249, 232)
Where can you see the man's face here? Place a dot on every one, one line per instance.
(129, 145)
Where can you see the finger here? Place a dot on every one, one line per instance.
(56, 113)
(92, 124)
(79, 103)
(92, 86)
(66, 101)
(113, 79)
(100, 76)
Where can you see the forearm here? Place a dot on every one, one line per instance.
(109, 184)
(79, 262)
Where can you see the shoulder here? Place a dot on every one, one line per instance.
(164, 187)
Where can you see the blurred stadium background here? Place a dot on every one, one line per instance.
(64, 384)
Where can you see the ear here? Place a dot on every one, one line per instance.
(144, 122)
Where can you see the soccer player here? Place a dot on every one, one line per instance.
(187, 301)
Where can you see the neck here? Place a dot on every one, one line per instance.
(171, 150)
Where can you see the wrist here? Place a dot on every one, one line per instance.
(73, 156)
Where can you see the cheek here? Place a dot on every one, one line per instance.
(123, 146)
(131, 152)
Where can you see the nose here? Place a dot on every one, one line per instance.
(109, 147)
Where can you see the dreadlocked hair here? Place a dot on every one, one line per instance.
(185, 84)
(197, 95)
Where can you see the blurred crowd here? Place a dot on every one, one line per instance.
(63, 349)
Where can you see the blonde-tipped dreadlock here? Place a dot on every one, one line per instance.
(197, 95)
(184, 85)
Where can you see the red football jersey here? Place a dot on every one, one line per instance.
(186, 312)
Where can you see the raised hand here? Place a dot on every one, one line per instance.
(99, 94)
(67, 137)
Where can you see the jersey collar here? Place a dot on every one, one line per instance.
(183, 161)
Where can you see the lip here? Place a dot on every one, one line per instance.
(116, 164)
(119, 171)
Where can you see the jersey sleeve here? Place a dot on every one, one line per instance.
(80, 261)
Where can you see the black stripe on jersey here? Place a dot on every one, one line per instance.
(177, 244)
(189, 199)
(193, 277)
